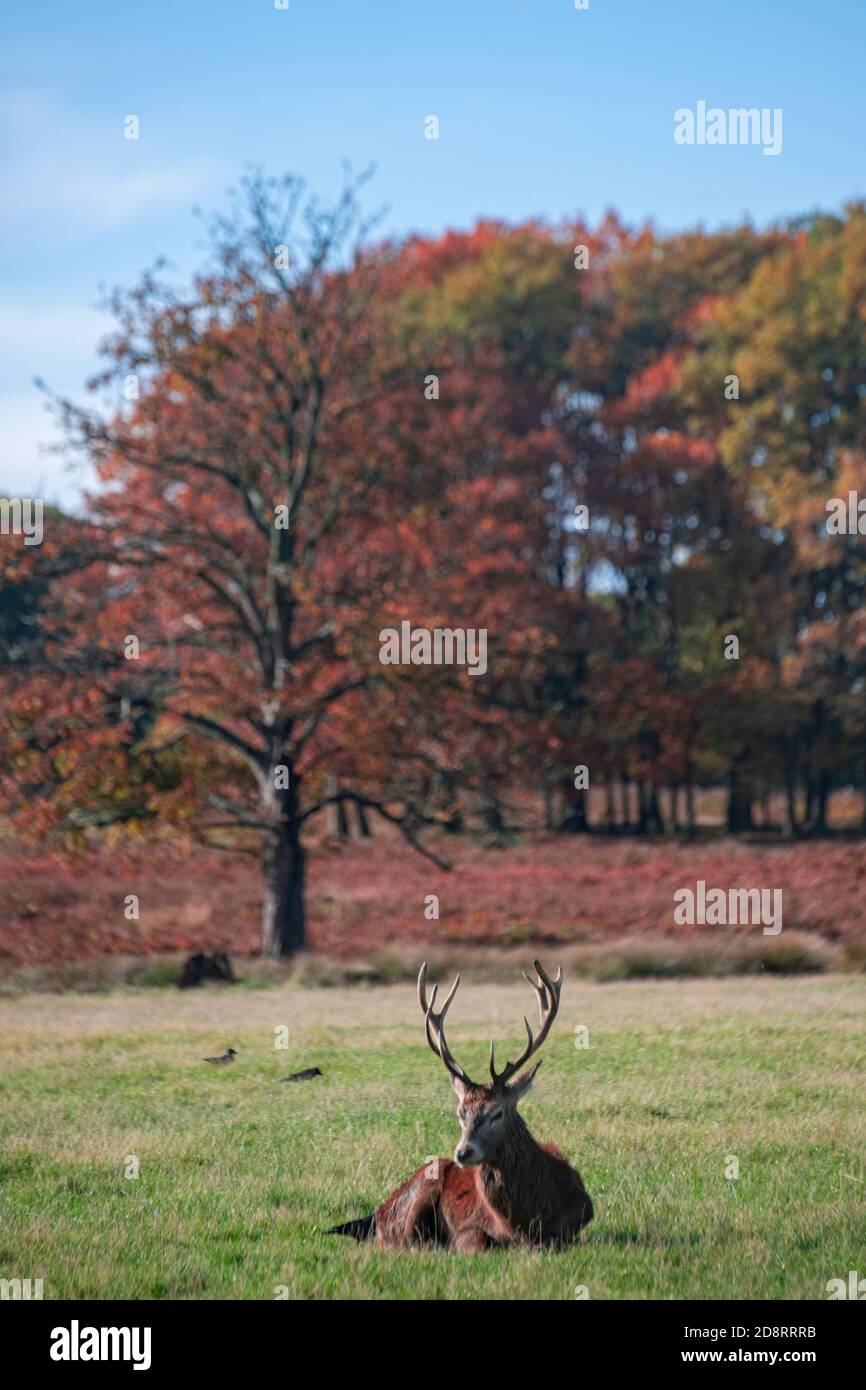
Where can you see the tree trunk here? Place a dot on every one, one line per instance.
(791, 817)
(818, 823)
(809, 798)
(283, 864)
(338, 821)
(739, 805)
(649, 814)
(640, 823)
(574, 822)
(492, 814)
(610, 806)
(363, 823)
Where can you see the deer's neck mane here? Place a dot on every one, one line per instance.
(518, 1186)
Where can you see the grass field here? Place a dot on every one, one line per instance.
(239, 1174)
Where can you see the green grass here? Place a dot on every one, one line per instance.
(239, 1175)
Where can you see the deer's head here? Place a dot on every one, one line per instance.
(488, 1111)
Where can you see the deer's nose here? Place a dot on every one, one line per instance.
(466, 1154)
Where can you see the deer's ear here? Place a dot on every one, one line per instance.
(517, 1090)
(458, 1086)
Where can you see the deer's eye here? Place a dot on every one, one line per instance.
(496, 1118)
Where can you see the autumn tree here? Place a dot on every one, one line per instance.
(278, 486)
(247, 523)
(793, 336)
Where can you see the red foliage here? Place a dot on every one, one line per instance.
(364, 896)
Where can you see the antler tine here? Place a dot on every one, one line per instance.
(422, 1000)
(547, 992)
(434, 1025)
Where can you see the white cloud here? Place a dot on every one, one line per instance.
(47, 335)
(67, 180)
(55, 341)
(63, 174)
(27, 468)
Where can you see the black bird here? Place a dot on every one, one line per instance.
(306, 1075)
(228, 1056)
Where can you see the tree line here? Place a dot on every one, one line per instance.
(614, 451)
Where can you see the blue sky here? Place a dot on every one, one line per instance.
(543, 110)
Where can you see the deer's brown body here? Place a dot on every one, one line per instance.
(536, 1197)
(502, 1186)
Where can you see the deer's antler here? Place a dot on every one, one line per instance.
(434, 1025)
(547, 991)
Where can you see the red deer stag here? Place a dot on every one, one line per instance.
(503, 1186)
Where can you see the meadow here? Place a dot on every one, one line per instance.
(239, 1174)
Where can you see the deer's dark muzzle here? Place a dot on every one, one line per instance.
(467, 1155)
